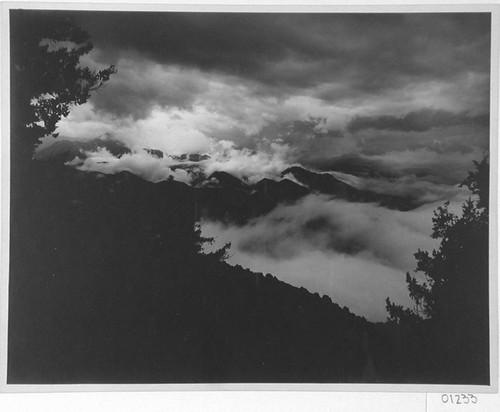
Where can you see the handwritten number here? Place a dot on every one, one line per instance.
(458, 398)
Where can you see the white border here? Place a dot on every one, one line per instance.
(282, 6)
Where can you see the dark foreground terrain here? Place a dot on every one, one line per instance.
(108, 285)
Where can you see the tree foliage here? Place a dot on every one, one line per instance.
(200, 242)
(451, 298)
(46, 75)
(455, 270)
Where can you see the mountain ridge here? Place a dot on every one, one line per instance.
(226, 197)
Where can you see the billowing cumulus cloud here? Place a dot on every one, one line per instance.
(163, 130)
(216, 106)
(248, 165)
(141, 164)
(139, 86)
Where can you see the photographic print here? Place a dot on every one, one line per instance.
(263, 197)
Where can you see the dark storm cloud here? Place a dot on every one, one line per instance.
(140, 86)
(310, 135)
(354, 164)
(396, 178)
(418, 121)
(370, 51)
(462, 140)
(236, 43)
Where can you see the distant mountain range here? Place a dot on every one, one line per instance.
(326, 183)
(225, 197)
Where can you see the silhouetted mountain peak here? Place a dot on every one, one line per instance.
(226, 179)
(283, 189)
(320, 182)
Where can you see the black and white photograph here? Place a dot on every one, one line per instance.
(229, 197)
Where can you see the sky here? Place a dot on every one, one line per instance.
(397, 103)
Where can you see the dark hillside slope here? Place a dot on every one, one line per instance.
(106, 286)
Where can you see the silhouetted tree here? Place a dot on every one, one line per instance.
(462, 239)
(46, 77)
(451, 304)
(200, 242)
